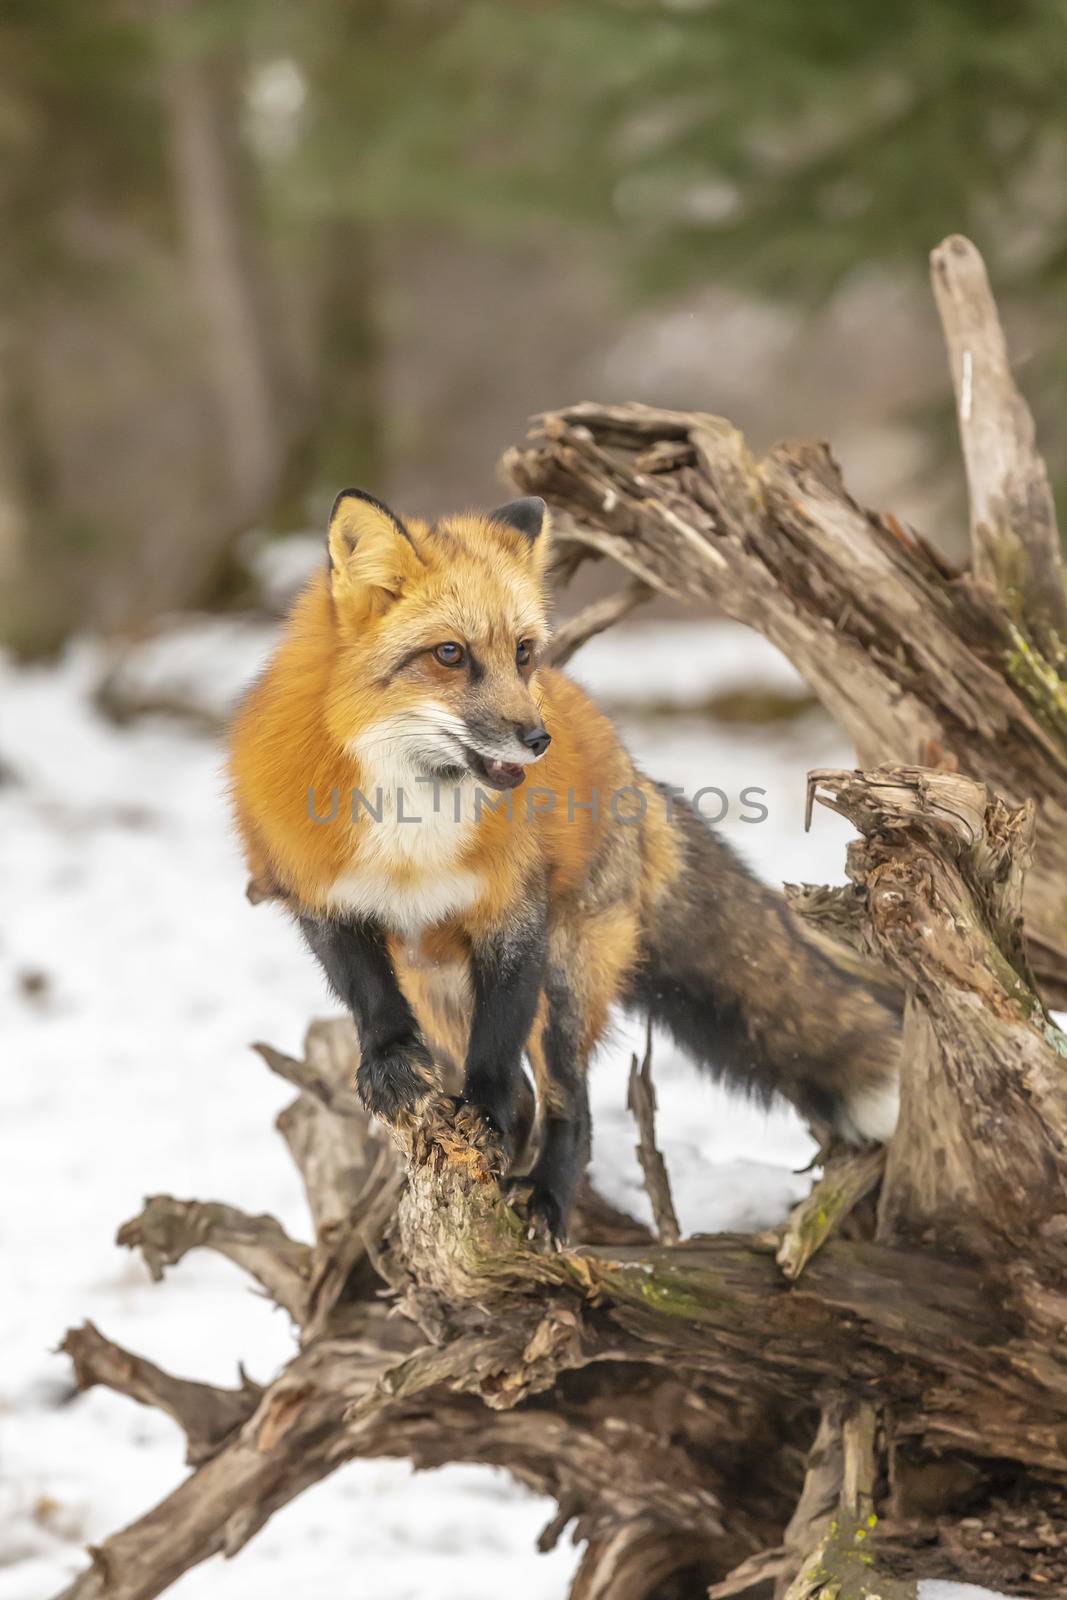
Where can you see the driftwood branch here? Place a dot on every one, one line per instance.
(596, 618)
(841, 1567)
(206, 1415)
(821, 1495)
(1015, 543)
(167, 1229)
(305, 1075)
(641, 1099)
(848, 1179)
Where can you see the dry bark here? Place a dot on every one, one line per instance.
(1015, 543)
(641, 1099)
(848, 1179)
(980, 1160)
(205, 1414)
(827, 1412)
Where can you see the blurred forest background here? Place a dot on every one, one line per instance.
(252, 251)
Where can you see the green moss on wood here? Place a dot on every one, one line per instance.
(844, 1569)
(1037, 678)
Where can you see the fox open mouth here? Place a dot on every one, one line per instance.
(497, 774)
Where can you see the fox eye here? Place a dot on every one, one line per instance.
(450, 654)
(523, 652)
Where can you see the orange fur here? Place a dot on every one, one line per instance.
(292, 738)
(416, 654)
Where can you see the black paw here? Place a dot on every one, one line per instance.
(396, 1083)
(546, 1220)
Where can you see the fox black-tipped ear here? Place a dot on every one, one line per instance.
(526, 516)
(355, 515)
(372, 554)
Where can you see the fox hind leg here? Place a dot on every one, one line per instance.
(560, 1073)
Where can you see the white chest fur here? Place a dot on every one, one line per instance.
(406, 871)
(408, 905)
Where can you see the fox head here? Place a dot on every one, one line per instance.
(439, 628)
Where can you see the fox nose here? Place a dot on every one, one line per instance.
(536, 739)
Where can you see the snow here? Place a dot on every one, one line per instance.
(279, 568)
(938, 1589)
(134, 974)
(683, 662)
(199, 666)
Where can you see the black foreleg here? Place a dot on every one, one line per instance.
(396, 1071)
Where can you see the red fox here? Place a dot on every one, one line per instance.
(377, 772)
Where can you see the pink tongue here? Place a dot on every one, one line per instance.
(505, 772)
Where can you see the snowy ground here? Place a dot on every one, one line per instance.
(133, 974)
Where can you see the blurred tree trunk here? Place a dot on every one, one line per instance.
(351, 442)
(343, 433)
(214, 201)
(22, 470)
(150, 392)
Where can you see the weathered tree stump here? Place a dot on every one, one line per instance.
(920, 664)
(859, 1398)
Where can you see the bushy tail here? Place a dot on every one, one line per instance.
(725, 968)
